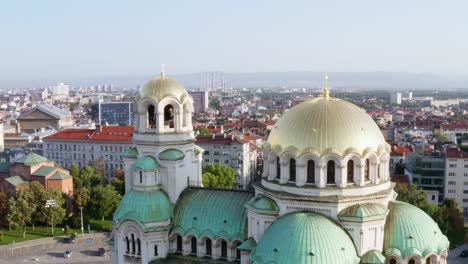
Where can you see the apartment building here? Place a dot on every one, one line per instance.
(456, 177)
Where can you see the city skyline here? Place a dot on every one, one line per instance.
(51, 40)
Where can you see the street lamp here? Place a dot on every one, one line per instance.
(51, 203)
(82, 228)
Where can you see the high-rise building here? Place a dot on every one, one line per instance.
(395, 98)
(60, 92)
(456, 177)
(113, 113)
(200, 101)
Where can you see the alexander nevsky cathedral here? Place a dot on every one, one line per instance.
(325, 194)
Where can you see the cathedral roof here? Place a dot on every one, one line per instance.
(304, 237)
(144, 207)
(212, 213)
(409, 231)
(31, 158)
(263, 204)
(130, 153)
(326, 125)
(171, 154)
(373, 257)
(359, 212)
(146, 163)
(159, 88)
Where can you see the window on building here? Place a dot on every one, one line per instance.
(452, 182)
(367, 170)
(207, 152)
(278, 168)
(350, 171)
(151, 117)
(330, 172)
(169, 116)
(392, 261)
(452, 165)
(207, 160)
(226, 161)
(292, 170)
(141, 177)
(193, 243)
(179, 244)
(310, 171)
(223, 249)
(156, 250)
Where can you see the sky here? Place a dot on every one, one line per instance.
(59, 39)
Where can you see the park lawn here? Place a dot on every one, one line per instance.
(38, 232)
(99, 225)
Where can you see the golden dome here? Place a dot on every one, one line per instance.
(158, 88)
(326, 125)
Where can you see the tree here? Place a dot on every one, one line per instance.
(54, 215)
(451, 222)
(203, 131)
(119, 185)
(440, 138)
(412, 194)
(218, 176)
(82, 197)
(120, 173)
(38, 197)
(74, 170)
(3, 209)
(104, 200)
(21, 210)
(100, 167)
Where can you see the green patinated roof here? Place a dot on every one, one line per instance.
(59, 176)
(146, 163)
(144, 207)
(373, 257)
(365, 211)
(263, 204)
(44, 171)
(130, 153)
(305, 237)
(409, 230)
(198, 149)
(248, 245)
(31, 158)
(171, 154)
(15, 180)
(213, 213)
(5, 167)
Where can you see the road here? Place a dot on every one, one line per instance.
(84, 251)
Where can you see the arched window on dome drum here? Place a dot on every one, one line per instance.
(138, 246)
(193, 243)
(412, 261)
(128, 244)
(185, 115)
(366, 170)
(169, 116)
(292, 170)
(223, 249)
(179, 244)
(428, 260)
(310, 171)
(330, 172)
(392, 261)
(141, 177)
(238, 254)
(350, 171)
(278, 168)
(208, 247)
(133, 244)
(151, 117)
(379, 173)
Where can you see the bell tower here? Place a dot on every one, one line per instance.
(163, 130)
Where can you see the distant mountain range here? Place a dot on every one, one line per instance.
(338, 80)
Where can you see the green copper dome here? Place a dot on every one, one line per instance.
(171, 154)
(373, 257)
(305, 237)
(130, 153)
(360, 212)
(263, 204)
(146, 163)
(159, 88)
(144, 207)
(410, 231)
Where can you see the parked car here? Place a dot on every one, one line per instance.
(67, 254)
(101, 252)
(72, 239)
(464, 253)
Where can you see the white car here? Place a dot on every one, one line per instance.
(67, 254)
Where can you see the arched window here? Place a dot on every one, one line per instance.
(141, 177)
(428, 260)
(193, 243)
(330, 172)
(139, 246)
(208, 247)
(223, 249)
(310, 171)
(379, 173)
(169, 116)
(292, 170)
(179, 244)
(350, 171)
(151, 117)
(392, 261)
(133, 244)
(366, 170)
(412, 261)
(185, 115)
(278, 168)
(156, 253)
(128, 244)
(238, 254)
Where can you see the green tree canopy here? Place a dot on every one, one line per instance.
(3, 209)
(21, 210)
(74, 170)
(203, 131)
(218, 176)
(104, 200)
(412, 194)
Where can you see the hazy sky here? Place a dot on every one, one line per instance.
(74, 39)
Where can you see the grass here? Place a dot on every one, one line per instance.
(99, 225)
(15, 235)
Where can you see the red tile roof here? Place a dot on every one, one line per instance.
(219, 139)
(107, 133)
(453, 126)
(401, 150)
(456, 154)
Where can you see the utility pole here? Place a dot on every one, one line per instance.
(82, 228)
(51, 203)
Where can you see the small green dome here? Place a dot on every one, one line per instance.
(373, 257)
(146, 163)
(158, 88)
(263, 204)
(365, 211)
(144, 207)
(410, 231)
(130, 153)
(304, 237)
(171, 154)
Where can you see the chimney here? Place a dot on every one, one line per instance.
(98, 129)
(213, 136)
(224, 135)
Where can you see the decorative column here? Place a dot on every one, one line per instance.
(360, 174)
(301, 174)
(320, 172)
(340, 176)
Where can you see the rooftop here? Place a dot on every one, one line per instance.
(105, 133)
